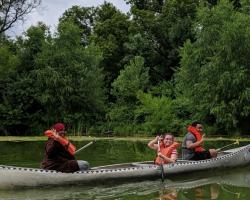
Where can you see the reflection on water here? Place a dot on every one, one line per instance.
(220, 185)
(229, 184)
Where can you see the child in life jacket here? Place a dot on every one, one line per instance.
(166, 148)
(59, 152)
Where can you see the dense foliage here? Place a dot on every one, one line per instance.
(154, 69)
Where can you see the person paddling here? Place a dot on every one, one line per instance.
(166, 150)
(192, 145)
(59, 152)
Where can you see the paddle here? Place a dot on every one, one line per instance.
(85, 146)
(236, 142)
(161, 165)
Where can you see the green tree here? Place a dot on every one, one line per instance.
(30, 45)
(215, 68)
(70, 79)
(153, 5)
(133, 78)
(166, 25)
(83, 17)
(19, 108)
(156, 112)
(174, 27)
(8, 64)
(8, 61)
(110, 33)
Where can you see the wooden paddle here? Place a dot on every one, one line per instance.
(85, 146)
(236, 142)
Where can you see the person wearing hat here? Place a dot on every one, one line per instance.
(59, 152)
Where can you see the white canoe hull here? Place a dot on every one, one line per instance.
(30, 177)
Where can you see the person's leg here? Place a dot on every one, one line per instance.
(213, 153)
(83, 165)
(201, 155)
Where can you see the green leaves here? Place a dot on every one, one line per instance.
(157, 113)
(132, 79)
(214, 69)
(109, 34)
(156, 68)
(8, 61)
(71, 77)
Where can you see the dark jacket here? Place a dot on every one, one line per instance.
(57, 158)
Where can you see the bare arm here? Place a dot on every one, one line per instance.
(170, 160)
(191, 145)
(153, 143)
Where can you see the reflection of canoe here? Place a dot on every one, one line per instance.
(237, 178)
(17, 176)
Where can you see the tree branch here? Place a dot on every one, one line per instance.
(12, 11)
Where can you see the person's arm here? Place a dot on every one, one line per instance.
(169, 160)
(191, 145)
(153, 143)
(52, 148)
(174, 155)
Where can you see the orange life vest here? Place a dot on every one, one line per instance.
(198, 137)
(62, 140)
(166, 151)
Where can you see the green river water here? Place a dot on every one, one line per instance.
(224, 185)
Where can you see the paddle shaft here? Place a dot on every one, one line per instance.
(85, 146)
(219, 149)
(161, 165)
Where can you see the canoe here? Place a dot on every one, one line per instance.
(11, 177)
(140, 190)
(223, 179)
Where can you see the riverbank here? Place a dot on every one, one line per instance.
(90, 138)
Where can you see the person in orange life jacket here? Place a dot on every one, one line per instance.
(59, 152)
(192, 144)
(168, 149)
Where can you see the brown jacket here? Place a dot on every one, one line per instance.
(57, 158)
